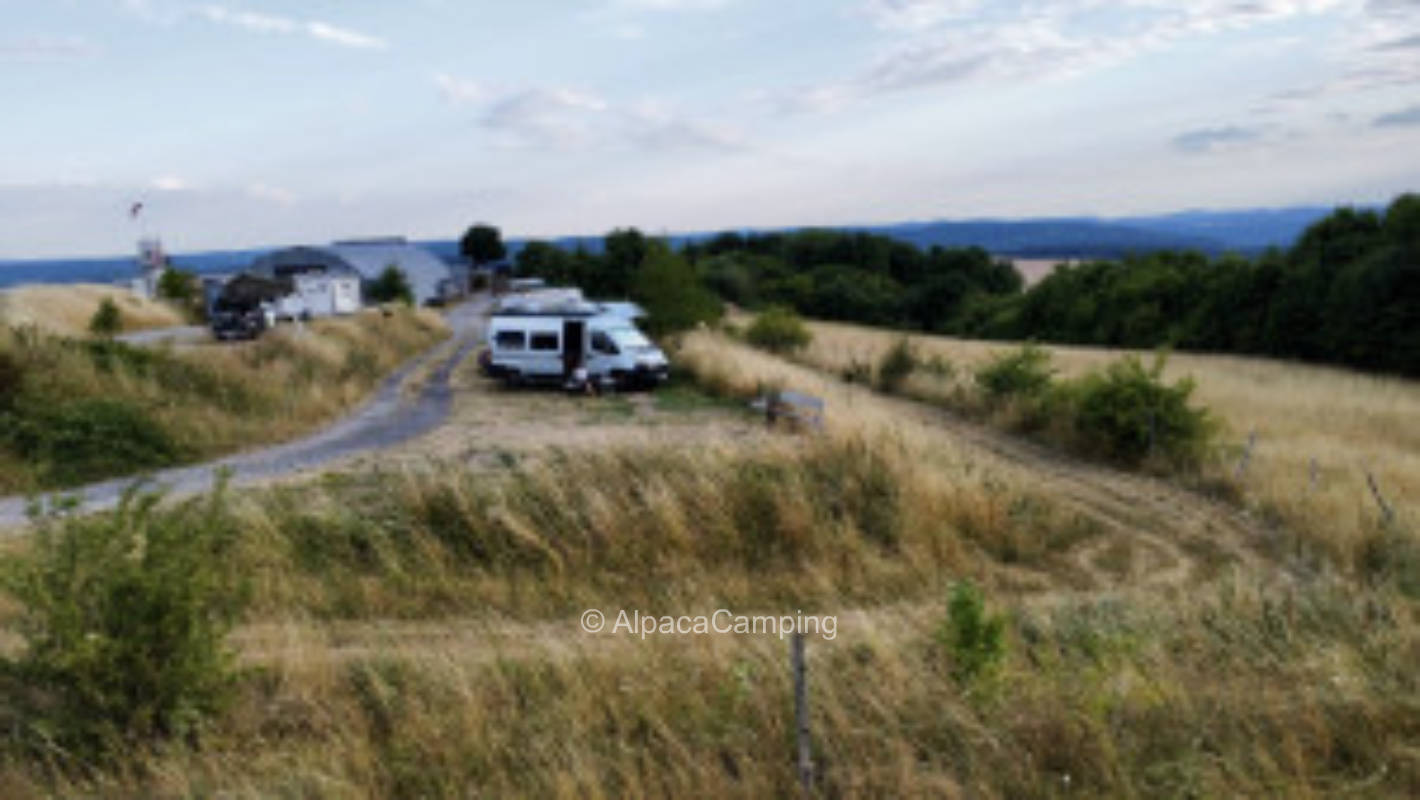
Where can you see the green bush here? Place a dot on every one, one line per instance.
(12, 378)
(975, 639)
(1021, 373)
(107, 319)
(124, 617)
(391, 286)
(84, 440)
(899, 362)
(1127, 413)
(778, 330)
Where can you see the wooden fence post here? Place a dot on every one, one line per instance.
(1247, 454)
(801, 712)
(1387, 512)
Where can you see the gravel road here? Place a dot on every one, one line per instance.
(385, 420)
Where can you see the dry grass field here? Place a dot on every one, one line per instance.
(1347, 423)
(66, 310)
(414, 630)
(164, 405)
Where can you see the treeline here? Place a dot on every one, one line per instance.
(850, 276)
(1347, 292)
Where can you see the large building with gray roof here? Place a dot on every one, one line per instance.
(429, 277)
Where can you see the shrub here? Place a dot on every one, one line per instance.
(778, 330)
(392, 286)
(123, 617)
(899, 362)
(857, 372)
(87, 439)
(107, 319)
(974, 638)
(939, 367)
(12, 378)
(1127, 413)
(1021, 373)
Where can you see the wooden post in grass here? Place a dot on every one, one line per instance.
(801, 712)
(1387, 513)
(1247, 453)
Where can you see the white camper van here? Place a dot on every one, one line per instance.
(571, 342)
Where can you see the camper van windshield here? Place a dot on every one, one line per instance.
(630, 338)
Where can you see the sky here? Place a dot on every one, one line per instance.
(246, 123)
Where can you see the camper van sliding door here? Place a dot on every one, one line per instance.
(574, 344)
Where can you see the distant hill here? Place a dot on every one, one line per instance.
(1076, 238)
(1247, 231)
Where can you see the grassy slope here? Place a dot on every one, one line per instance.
(79, 410)
(416, 633)
(66, 310)
(1349, 423)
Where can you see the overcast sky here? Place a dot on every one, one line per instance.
(256, 122)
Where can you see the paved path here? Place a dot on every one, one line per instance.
(385, 420)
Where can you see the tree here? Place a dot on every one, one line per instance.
(178, 285)
(391, 286)
(624, 251)
(183, 289)
(482, 244)
(674, 298)
(107, 319)
(538, 259)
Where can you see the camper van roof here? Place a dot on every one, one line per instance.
(548, 302)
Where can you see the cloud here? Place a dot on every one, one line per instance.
(670, 5)
(47, 49)
(1206, 140)
(1397, 119)
(1411, 42)
(271, 194)
(545, 117)
(459, 90)
(565, 119)
(169, 183)
(913, 15)
(651, 127)
(947, 41)
(257, 23)
(344, 36)
(942, 43)
(288, 26)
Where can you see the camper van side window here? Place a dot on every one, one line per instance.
(602, 343)
(509, 340)
(544, 341)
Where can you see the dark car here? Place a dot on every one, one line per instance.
(237, 324)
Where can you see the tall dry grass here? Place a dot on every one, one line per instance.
(1346, 423)
(416, 634)
(454, 665)
(65, 310)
